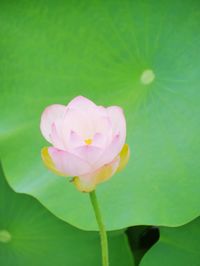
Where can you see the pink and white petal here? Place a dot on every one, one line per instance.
(68, 163)
(56, 139)
(86, 119)
(112, 150)
(81, 103)
(90, 154)
(87, 106)
(90, 109)
(75, 140)
(88, 183)
(99, 140)
(86, 123)
(49, 162)
(118, 121)
(101, 124)
(49, 116)
(102, 110)
(76, 120)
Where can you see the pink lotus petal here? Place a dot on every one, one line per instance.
(75, 140)
(99, 140)
(118, 121)
(68, 163)
(81, 103)
(89, 153)
(88, 182)
(49, 162)
(55, 138)
(85, 124)
(76, 121)
(101, 124)
(49, 116)
(111, 151)
(88, 111)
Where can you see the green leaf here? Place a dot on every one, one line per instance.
(141, 55)
(31, 235)
(177, 246)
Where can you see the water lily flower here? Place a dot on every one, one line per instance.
(88, 141)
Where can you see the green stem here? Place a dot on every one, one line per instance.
(102, 230)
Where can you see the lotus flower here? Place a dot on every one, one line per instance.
(88, 141)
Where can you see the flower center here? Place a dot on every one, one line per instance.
(88, 141)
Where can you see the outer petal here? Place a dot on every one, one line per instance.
(56, 138)
(118, 121)
(49, 116)
(80, 102)
(67, 163)
(118, 125)
(87, 183)
(49, 162)
(124, 157)
(85, 105)
(111, 151)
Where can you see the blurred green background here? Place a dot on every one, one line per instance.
(141, 55)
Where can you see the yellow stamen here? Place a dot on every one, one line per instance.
(88, 141)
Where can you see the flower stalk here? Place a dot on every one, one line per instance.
(102, 230)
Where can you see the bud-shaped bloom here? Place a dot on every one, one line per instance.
(88, 141)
